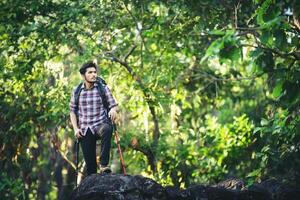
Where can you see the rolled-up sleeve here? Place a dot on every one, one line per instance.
(72, 102)
(110, 99)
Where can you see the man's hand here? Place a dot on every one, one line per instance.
(113, 114)
(78, 133)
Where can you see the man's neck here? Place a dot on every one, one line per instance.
(88, 85)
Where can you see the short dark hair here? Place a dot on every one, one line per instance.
(89, 64)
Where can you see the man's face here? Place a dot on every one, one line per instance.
(90, 75)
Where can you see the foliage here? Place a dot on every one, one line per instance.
(10, 188)
(278, 138)
(207, 89)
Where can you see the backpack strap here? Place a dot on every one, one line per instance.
(101, 84)
(76, 96)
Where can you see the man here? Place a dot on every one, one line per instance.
(91, 116)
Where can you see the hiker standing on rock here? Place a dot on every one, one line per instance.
(93, 109)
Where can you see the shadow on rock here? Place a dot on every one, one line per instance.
(119, 187)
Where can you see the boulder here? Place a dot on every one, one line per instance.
(119, 187)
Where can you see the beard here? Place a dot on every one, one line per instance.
(90, 81)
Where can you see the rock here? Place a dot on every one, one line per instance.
(113, 186)
(119, 187)
(276, 190)
(233, 184)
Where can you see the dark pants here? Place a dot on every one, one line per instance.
(88, 146)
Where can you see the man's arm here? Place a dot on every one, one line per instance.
(73, 117)
(77, 130)
(112, 105)
(73, 120)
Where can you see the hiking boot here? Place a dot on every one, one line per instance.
(105, 170)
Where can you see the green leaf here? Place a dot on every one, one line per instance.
(265, 61)
(271, 13)
(230, 52)
(280, 39)
(256, 53)
(261, 12)
(213, 49)
(257, 129)
(217, 32)
(264, 122)
(278, 89)
(254, 173)
(267, 38)
(267, 14)
(273, 23)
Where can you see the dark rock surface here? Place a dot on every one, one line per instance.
(112, 186)
(119, 187)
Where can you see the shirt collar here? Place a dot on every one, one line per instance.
(83, 86)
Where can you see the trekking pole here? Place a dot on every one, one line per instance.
(117, 140)
(77, 161)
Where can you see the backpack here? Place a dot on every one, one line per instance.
(100, 86)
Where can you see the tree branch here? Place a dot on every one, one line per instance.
(148, 98)
(277, 52)
(146, 92)
(236, 8)
(202, 74)
(130, 52)
(56, 144)
(149, 154)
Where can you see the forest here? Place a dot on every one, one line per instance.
(207, 90)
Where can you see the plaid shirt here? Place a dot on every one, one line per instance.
(91, 112)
